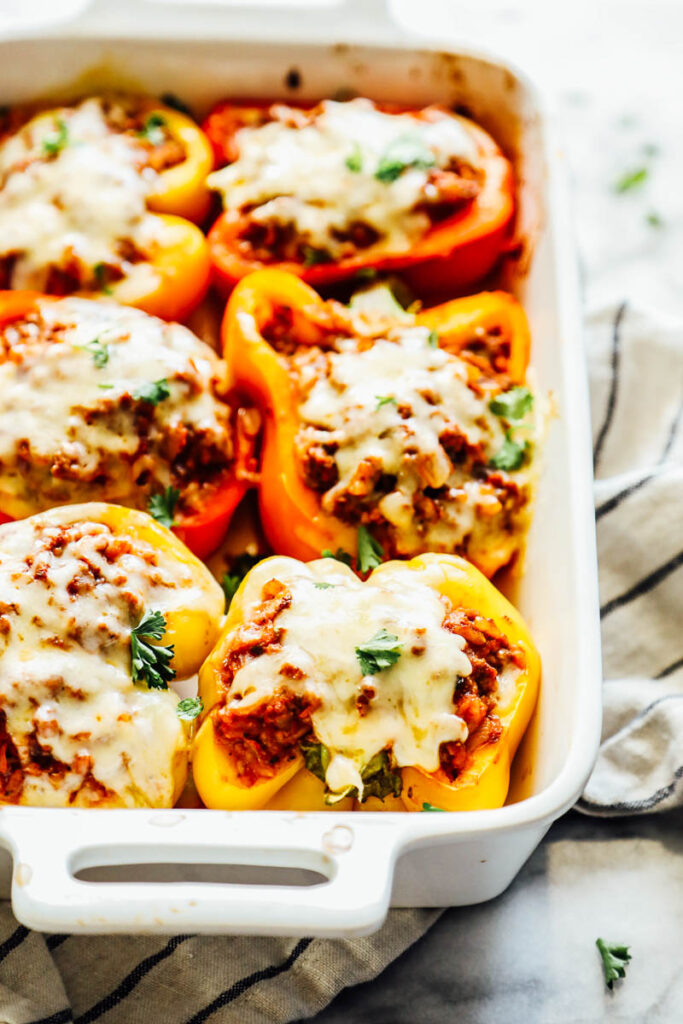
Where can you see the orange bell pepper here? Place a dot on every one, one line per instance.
(203, 530)
(454, 253)
(293, 518)
(483, 778)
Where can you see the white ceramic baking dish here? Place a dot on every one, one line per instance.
(211, 871)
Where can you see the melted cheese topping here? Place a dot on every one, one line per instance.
(412, 710)
(300, 177)
(76, 204)
(69, 597)
(430, 394)
(70, 430)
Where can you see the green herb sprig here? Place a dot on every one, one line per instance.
(150, 663)
(339, 554)
(369, 552)
(152, 130)
(162, 506)
(615, 959)
(403, 152)
(189, 708)
(231, 580)
(379, 652)
(55, 143)
(154, 392)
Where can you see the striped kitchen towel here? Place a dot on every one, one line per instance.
(636, 365)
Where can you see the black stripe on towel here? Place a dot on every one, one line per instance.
(244, 984)
(643, 586)
(125, 987)
(14, 940)
(614, 385)
(628, 807)
(53, 941)
(60, 1017)
(670, 669)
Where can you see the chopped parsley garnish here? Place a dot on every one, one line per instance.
(513, 404)
(231, 580)
(654, 219)
(379, 778)
(615, 959)
(189, 708)
(354, 160)
(100, 271)
(431, 807)
(55, 143)
(511, 455)
(162, 506)
(433, 339)
(379, 652)
(106, 387)
(385, 400)
(153, 129)
(316, 759)
(404, 152)
(339, 554)
(631, 179)
(151, 662)
(313, 256)
(322, 585)
(154, 392)
(369, 551)
(169, 99)
(365, 274)
(99, 352)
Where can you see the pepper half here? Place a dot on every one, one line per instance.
(482, 777)
(293, 519)
(201, 530)
(454, 253)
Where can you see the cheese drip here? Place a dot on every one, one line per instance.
(321, 178)
(412, 709)
(69, 594)
(72, 190)
(77, 417)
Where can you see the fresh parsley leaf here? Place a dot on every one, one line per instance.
(321, 585)
(153, 129)
(404, 152)
(55, 143)
(162, 506)
(379, 778)
(100, 271)
(151, 662)
(354, 160)
(189, 708)
(316, 759)
(433, 339)
(513, 404)
(154, 392)
(615, 959)
(385, 400)
(511, 455)
(99, 352)
(313, 256)
(431, 807)
(369, 551)
(631, 179)
(231, 580)
(654, 219)
(339, 554)
(379, 652)
(169, 99)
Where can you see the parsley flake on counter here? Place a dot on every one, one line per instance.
(513, 404)
(385, 400)
(55, 143)
(231, 580)
(615, 959)
(354, 160)
(369, 551)
(189, 708)
(162, 506)
(151, 662)
(379, 652)
(431, 807)
(631, 179)
(339, 554)
(154, 392)
(404, 152)
(511, 455)
(433, 339)
(654, 219)
(152, 130)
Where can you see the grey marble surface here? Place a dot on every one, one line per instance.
(530, 955)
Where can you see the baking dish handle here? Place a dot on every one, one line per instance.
(355, 855)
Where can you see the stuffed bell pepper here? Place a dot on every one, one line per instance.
(409, 691)
(100, 609)
(104, 402)
(337, 188)
(387, 434)
(99, 197)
